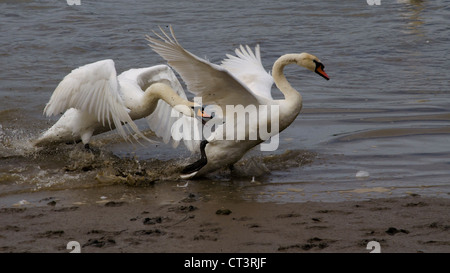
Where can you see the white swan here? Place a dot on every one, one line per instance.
(93, 95)
(240, 80)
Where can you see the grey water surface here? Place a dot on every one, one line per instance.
(379, 128)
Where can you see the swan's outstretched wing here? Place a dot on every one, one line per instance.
(248, 68)
(161, 121)
(144, 77)
(212, 82)
(93, 88)
(173, 127)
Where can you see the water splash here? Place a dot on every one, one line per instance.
(16, 142)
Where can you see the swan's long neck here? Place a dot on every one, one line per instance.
(156, 92)
(292, 104)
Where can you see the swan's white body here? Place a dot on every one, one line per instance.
(240, 80)
(93, 95)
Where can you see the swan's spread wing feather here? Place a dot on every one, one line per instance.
(161, 121)
(93, 88)
(144, 77)
(248, 68)
(213, 83)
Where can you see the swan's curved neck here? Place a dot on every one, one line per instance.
(166, 93)
(292, 104)
(159, 91)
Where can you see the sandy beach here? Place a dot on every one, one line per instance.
(366, 160)
(192, 223)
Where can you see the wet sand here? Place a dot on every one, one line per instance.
(193, 223)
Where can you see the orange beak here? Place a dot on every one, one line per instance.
(202, 114)
(319, 70)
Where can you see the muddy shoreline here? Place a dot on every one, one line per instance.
(193, 224)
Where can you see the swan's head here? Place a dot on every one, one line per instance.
(185, 110)
(193, 111)
(312, 63)
(201, 114)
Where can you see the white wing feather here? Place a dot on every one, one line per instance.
(212, 82)
(93, 88)
(161, 121)
(248, 68)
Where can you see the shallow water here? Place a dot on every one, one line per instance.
(385, 110)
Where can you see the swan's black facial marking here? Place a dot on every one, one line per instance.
(198, 112)
(197, 165)
(201, 114)
(320, 69)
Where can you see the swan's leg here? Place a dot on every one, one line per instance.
(197, 165)
(85, 137)
(86, 145)
(73, 142)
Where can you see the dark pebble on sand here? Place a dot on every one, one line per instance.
(191, 198)
(64, 209)
(101, 242)
(12, 210)
(183, 209)
(51, 234)
(114, 204)
(51, 203)
(149, 232)
(152, 221)
(392, 231)
(223, 212)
